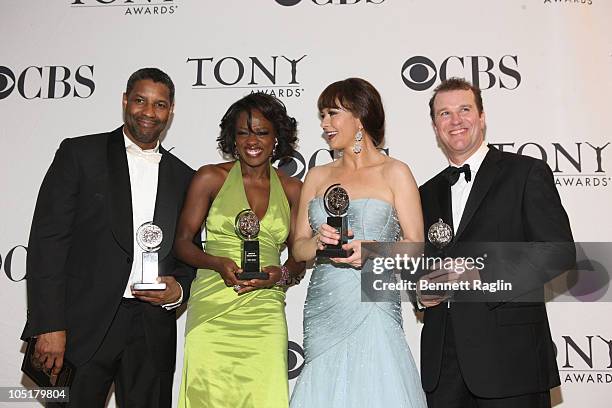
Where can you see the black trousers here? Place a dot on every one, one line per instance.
(452, 392)
(123, 358)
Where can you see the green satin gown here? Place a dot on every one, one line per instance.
(236, 346)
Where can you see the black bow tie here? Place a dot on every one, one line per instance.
(452, 173)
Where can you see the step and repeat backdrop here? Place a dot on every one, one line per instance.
(544, 66)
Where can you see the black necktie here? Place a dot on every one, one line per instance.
(452, 173)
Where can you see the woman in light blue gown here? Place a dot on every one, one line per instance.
(356, 353)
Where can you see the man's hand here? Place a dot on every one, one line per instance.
(458, 273)
(49, 350)
(437, 276)
(171, 294)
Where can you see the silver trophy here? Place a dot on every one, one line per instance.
(247, 228)
(149, 237)
(336, 202)
(440, 234)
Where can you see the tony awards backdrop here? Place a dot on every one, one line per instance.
(544, 67)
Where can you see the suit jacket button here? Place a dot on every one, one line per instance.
(128, 260)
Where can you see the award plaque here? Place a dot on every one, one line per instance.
(440, 234)
(247, 228)
(149, 237)
(336, 202)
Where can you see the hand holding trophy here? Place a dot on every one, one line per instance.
(247, 228)
(439, 234)
(336, 202)
(149, 237)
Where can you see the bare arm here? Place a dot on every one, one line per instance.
(407, 201)
(202, 190)
(304, 241)
(293, 188)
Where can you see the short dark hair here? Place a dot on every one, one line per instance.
(273, 110)
(359, 97)
(456, 84)
(155, 75)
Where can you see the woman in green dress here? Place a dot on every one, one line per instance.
(236, 332)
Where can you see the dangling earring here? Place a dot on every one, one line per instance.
(357, 145)
(274, 149)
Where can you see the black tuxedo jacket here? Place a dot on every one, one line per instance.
(503, 348)
(80, 249)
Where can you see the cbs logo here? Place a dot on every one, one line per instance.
(48, 82)
(420, 73)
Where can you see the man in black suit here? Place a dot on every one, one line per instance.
(83, 257)
(496, 353)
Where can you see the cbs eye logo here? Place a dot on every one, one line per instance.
(294, 165)
(419, 73)
(288, 2)
(295, 359)
(7, 82)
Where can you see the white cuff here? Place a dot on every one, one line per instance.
(174, 305)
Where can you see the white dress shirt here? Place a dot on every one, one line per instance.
(460, 191)
(143, 186)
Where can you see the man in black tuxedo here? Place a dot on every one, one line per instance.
(497, 353)
(83, 256)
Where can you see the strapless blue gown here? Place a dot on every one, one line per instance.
(356, 353)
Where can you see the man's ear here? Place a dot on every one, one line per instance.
(434, 127)
(483, 122)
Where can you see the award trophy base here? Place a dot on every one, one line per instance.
(336, 251)
(149, 273)
(331, 252)
(250, 262)
(253, 275)
(149, 286)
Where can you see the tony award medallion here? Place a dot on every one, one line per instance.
(440, 234)
(336, 202)
(247, 228)
(149, 237)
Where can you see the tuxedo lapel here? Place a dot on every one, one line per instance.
(482, 183)
(166, 202)
(120, 192)
(437, 202)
